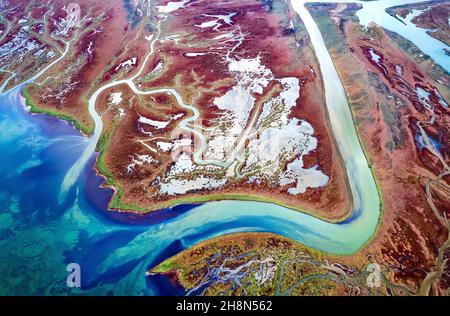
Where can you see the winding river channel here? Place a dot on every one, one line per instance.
(55, 212)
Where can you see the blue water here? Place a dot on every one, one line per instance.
(40, 235)
(422, 144)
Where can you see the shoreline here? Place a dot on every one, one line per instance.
(115, 205)
(33, 108)
(200, 200)
(366, 155)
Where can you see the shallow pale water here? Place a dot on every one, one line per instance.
(42, 230)
(40, 234)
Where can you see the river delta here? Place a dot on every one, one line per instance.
(305, 219)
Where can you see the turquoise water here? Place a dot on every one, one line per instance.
(43, 230)
(40, 234)
(374, 11)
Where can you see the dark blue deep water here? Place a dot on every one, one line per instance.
(42, 233)
(43, 230)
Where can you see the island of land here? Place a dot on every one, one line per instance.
(199, 100)
(397, 96)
